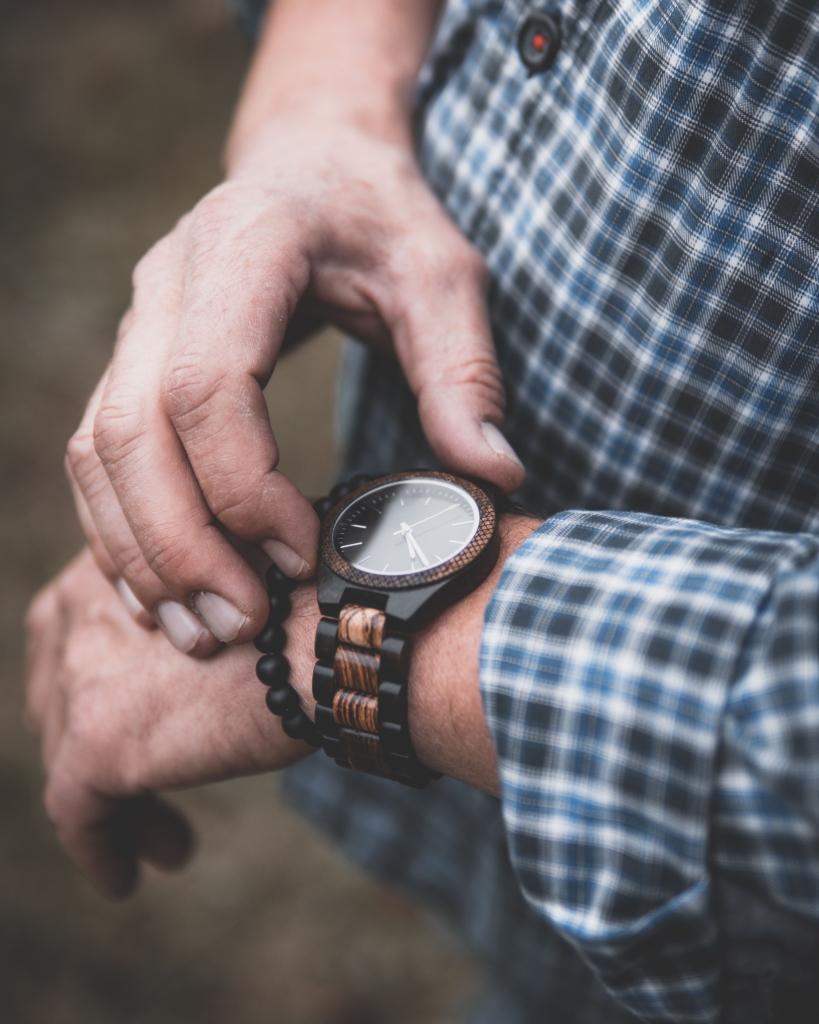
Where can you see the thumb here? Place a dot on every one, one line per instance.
(445, 347)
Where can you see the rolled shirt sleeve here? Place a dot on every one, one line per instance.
(652, 690)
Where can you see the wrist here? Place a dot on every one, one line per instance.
(330, 63)
(446, 716)
(324, 131)
(301, 631)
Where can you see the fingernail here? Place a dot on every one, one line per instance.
(220, 616)
(129, 599)
(179, 625)
(290, 563)
(498, 443)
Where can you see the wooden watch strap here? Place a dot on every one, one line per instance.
(360, 687)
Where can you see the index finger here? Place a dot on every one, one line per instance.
(243, 279)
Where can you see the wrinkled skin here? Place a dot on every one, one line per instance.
(177, 433)
(122, 715)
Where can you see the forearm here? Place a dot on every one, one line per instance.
(356, 60)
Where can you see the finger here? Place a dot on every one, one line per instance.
(161, 834)
(443, 340)
(92, 536)
(45, 632)
(107, 836)
(94, 833)
(118, 556)
(215, 404)
(104, 562)
(153, 481)
(80, 464)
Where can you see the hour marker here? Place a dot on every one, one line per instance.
(456, 542)
(385, 567)
(427, 501)
(401, 500)
(358, 526)
(464, 522)
(438, 558)
(357, 544)
(363, 560)
(378, 510)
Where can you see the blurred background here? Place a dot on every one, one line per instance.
(112, 116)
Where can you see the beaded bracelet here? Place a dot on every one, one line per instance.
(273, 668)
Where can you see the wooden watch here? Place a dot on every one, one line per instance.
(394, 552)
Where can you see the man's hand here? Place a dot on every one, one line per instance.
(122, 716)
(324, 208)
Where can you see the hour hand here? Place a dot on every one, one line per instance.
(412, 543)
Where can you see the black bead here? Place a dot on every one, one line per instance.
(277, 582)
(339, 491)
(282, 701)
(539, 41)
(326, 637)
(273, 670)
(322, 507)
(271, 640)
(279, 607)
(358, 481)
(297, 725)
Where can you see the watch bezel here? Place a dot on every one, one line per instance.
(483, 535)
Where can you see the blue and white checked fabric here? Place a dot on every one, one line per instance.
(652, 688)
(649, 212)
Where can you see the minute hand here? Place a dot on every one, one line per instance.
(434, 514)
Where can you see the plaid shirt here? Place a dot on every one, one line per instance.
(649, 211)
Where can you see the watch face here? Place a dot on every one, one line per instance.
(406, 526)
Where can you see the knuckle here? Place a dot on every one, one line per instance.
(131, 564)
(80, 453)
(118, 428)
(483, 373)
(188, 390)
(171, 556)
(237, 504)
(478, 373)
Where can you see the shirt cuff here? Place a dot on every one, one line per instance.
(608, 650)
